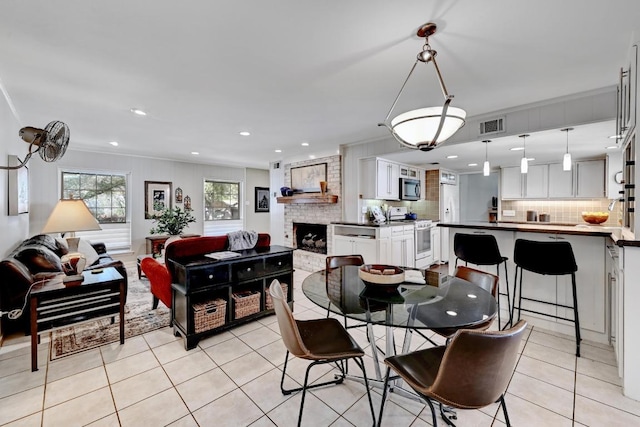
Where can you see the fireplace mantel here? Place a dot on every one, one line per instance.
(308, 199)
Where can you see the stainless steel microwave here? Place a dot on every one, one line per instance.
(409, 189)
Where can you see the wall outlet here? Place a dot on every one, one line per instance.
(508, 212)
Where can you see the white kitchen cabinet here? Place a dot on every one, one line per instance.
(403, 249)
(560, 182)
(590, 178)
(536, 182)
(409, 172)
(350, 245)
(379, 179)
(511, 183)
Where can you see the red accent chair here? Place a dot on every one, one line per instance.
(159, 280)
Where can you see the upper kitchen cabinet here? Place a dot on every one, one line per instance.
(590, 179)
(627, 96)
(586, 180)
(379, 179)
(532, 185)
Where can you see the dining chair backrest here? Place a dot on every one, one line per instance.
(478, 249)
(477, 366)
(487, 281)
(286, 322)
(340, 260)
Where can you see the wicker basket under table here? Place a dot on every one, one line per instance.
(246, 303)
(210, 314)
(268, 302)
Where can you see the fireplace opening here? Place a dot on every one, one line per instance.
(310, 237)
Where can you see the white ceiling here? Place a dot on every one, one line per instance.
(291, 71)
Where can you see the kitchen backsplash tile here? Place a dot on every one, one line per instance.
(562, 211)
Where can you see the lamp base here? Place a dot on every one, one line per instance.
(73, 243)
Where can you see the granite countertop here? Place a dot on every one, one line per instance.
(621, 236)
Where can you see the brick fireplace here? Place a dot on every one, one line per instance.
(317, 215)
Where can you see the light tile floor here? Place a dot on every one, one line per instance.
(232, 379)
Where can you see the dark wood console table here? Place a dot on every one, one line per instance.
(201, 280)
(54, 304)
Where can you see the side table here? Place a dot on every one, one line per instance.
(55, 304)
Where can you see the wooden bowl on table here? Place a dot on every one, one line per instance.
(380, 274)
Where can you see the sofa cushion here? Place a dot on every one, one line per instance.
(55, 245)
(38, 259)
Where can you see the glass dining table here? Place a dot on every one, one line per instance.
(455, 303)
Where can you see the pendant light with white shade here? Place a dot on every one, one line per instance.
(524, 163)
(566, 160)
(486, 169)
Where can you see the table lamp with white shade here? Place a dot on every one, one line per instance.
(69, 216)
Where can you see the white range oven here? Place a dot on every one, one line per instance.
(424, 247)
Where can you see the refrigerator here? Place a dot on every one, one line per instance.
(449, 208)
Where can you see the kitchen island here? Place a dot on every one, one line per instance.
(608, 260)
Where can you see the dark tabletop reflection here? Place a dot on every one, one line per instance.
(457, 303)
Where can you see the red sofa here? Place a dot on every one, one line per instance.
(160, 278)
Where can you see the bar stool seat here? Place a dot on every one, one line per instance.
(482, 249)
(554, 258)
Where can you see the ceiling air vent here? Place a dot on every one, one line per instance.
(492, 126)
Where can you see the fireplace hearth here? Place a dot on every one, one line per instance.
(310, 237)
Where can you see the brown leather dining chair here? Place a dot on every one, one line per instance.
(472, 372)
(487, 281)
(320, 341)
(337, 261)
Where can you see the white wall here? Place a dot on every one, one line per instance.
(188, 176)
(258, 221)
(13, 229)
(476, 192)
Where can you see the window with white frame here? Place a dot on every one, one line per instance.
(105, 194)
(222, 207)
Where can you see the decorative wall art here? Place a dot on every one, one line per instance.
(18, 188)
(306, 179)
(157, 197)
(262, 199)
(187, 203)
(178, 195)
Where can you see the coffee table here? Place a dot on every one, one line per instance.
(55, 304)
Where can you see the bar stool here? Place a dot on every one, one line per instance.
(482, 249)
(549, 258)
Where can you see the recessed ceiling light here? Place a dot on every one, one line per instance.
(195, 153)
(611, 147)
(245, 133)
(516, 148)
(453, 156)
(311, 156)
(114, 143)
(530, 159)
(615, 137)
(138, 112)
(305, 144)
(472, 164)
(278, 151)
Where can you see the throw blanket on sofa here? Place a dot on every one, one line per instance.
(242, 240)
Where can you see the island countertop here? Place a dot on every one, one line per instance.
(621, 236)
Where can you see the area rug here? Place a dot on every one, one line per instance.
(138, 315)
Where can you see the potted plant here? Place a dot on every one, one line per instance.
(172, 221)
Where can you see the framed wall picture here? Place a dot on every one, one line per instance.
(157, 197)
(306, 179)
(262, 199)
(178, 195)
(18, 188)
